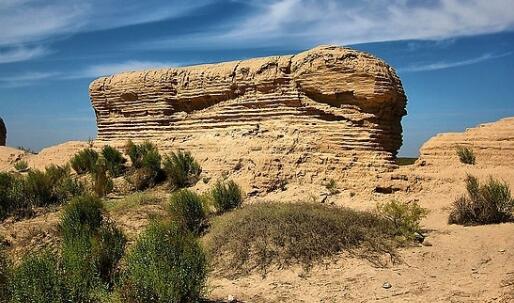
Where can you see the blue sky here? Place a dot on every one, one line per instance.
(455, 57)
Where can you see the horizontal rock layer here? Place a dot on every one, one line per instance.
(329, 109)
(492, 144)
(3, 132)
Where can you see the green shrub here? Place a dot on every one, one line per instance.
(65, 186)
(331, 186)
(167, 264)
(114, 160)
(21, 166)
(402, 161)
(5, 273)
(146, 165)
(84, 161)
(36, 279)
(405, 217)
(488, 203)
(12, 199)
(181, 169)
(144, 155)
(91, 249)
(466, 155)
(39, 188)
(186, 208)
(262, 235)
(83, 215)
(226, 196)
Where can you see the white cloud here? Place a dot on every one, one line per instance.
(99, 70)
(26, 79)
(445, 65)
(35, 22)
(300, 23)
(21, 53)
(91, 72)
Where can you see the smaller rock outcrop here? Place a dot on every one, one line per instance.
(492, 144)
(3, 133)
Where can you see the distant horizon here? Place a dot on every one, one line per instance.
(455, 58)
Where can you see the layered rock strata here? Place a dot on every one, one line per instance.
(492, 144)
(326, 111)
(3, 133)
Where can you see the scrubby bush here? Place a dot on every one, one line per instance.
(466, 155)
(115, 161)
(83, 214)
(262, 235)
(84, 161)
(146, 165)
(331, 186)
(12, 195)
(487, 203)
(36, 279)
(142, 155)
(21, 166)
(226, 196)
(181, 169)
(102, 182)
(186, 208)
(5, 272)
(167, 264)
(405, 217)
(91, 249)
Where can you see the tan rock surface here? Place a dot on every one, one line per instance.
(3, 133)
(326, 112)
(492, 144)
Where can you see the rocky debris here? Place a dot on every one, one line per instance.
(492, 144)
(327, 112)
(3, 133)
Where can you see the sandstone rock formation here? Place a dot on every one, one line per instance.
(492, 144)
(327, 111)
(3, 133)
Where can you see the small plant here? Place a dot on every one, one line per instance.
(146, 165)
(21, 166)
(331, 186)
(226, 196)
(181, 169)
(186, 208)
(405, 217)
(485, 203)
(5, 273)
(83, 214)
(114, 161)
(26, 150)
(36, 279)
(402, 161)
(466, 155)
(84, 161)
(102, 183)
(167, 264)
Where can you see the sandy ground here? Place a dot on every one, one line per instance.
(456, 264)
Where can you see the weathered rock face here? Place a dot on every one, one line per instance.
(329, 110)
(492, 144)
(3, 133)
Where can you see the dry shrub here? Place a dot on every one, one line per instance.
(487, 203)
(466, 155)
(263, 235)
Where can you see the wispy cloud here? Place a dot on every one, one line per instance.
(99, 70)
(21, 53)
(445, 65)
(36, 22)
(301, 23)
(26, 79)
(90, 72)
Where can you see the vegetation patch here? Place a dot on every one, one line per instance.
(167, 264)
(401, 161)
(181, 169)
(187, 209)
(226, 196)
(84, 161)
(263, 235)
(466, 155)
(487, 203)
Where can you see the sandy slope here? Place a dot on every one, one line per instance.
(460, 264)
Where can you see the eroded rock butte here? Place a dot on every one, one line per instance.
(3, 132)
(492, 143)
(325, 112)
